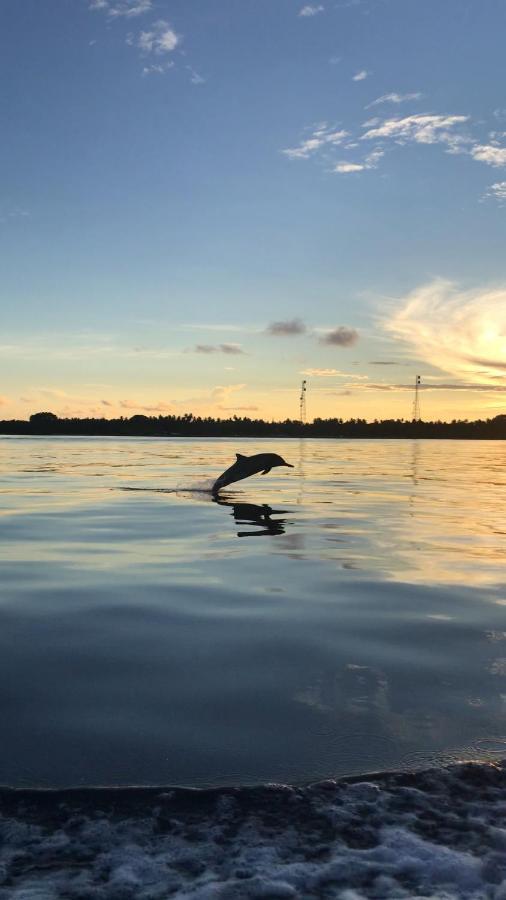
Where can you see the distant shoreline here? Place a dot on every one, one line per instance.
(188, 426)
(252, 436)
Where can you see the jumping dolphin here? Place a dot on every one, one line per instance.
(245, 466)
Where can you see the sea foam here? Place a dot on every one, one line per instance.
(439, 834)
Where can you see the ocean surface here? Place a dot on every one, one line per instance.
(228, 673)
(338, 618)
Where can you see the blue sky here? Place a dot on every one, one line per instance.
(177, 176)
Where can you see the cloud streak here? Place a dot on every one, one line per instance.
(86, 346)
(394, 98)
(332, 373)
(437, 386)
(227, 349)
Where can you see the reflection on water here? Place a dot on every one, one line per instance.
(255, 514)
(141, 642)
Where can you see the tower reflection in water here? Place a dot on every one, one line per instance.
(254, 514)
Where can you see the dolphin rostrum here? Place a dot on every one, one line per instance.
(245, 466)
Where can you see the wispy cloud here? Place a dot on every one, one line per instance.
(228, 349)
(238, 409)
(342, 336)
(385, 362)
(287, 328)
(453, 132)
(231, 327)
(215, 399)
(223, 393)
(309, 10)
(157, 68)
(460, 332)
(195, 78)
(394, 98)
(370, 161)
(65, 346)
(322, 136)
(361, 76)
(423, 129)
(129, 9)
(139, 406)
(498, 191)
(160, 38)
(14, 215)
(428, 128)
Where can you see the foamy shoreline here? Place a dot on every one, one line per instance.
(434, 834)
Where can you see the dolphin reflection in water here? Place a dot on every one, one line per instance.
(255, 514)
(245, 466)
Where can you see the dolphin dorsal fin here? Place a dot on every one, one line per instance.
(240, 456)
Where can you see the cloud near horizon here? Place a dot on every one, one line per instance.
(459, 332)
(330, 373)
(436, 386)
(228, 349)
(287, 328)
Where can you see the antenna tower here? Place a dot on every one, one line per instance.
(302, 407)
(416, 399)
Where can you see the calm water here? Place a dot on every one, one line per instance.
(345, 616)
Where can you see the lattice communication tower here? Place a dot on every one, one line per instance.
(302, 406)
(416, 399)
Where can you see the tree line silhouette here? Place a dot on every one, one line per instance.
(188, 425)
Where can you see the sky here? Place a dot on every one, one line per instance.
(204, 202)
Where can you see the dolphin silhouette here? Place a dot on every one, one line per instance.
(245, 466)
